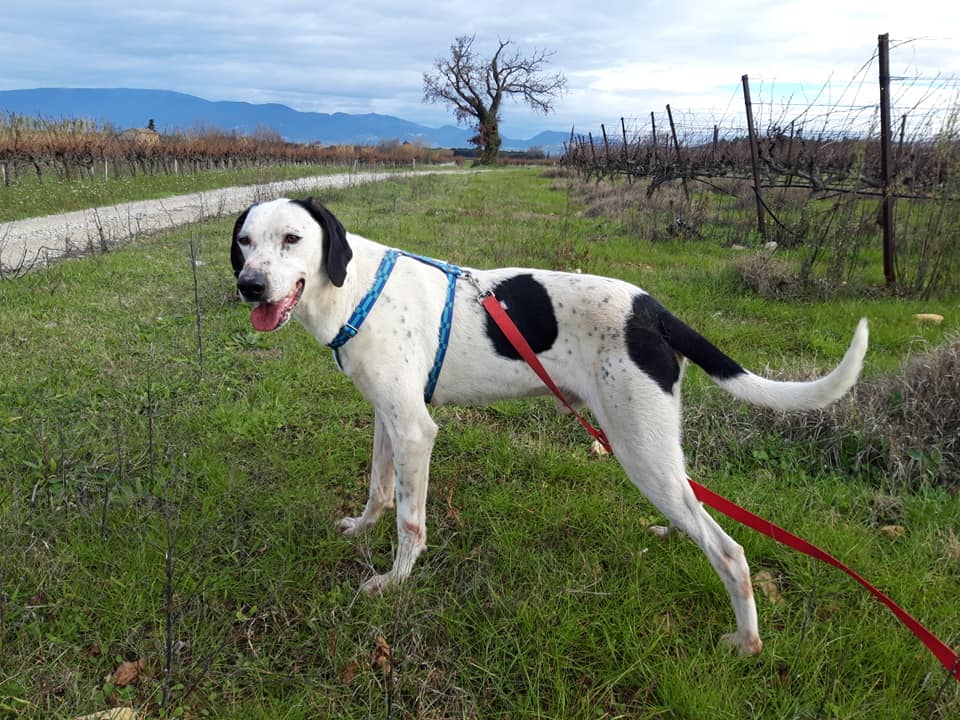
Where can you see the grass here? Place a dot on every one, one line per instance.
(831, 245)
(541, 594)
(30, 197)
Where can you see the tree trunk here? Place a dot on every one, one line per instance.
(488, 140)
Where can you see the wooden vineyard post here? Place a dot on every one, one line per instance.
(606, 145)
(754, 158)
(886, 203)
(653, 130)
(676, 147)
(623, 127)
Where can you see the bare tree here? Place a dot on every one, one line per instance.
(475, 88)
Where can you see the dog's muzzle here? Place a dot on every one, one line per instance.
(267, 315)
(252, 286)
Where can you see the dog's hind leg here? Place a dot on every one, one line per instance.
(649, 449)
(664, 482)
(381, 484)
(412, 434)
(730, 562)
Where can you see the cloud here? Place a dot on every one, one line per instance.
(621, 58)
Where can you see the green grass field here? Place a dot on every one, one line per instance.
(171, 481)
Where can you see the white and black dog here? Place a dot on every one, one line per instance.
(425, 339)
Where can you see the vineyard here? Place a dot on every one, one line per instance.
(837, 181)
(79, 148)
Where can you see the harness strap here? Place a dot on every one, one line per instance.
(352, 326)
(360, 313)
(453, 273)
(446, 323)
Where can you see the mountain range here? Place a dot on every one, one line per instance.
(124, 108)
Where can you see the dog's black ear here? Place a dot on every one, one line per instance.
(336, 250)
(236, 254)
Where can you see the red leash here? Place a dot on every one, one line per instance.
(520, 344)
(943, 653)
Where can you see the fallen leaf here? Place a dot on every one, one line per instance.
(952, 543)
(92, 651)
(598, 449)
(453, 514)
(783, 673)
(121, 713)
(661, 531)
(349, 672)
(893, 531)
(768, 586)
(382, 657)
(828, 611)
(127, 672)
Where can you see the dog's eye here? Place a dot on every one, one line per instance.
(243, 240)
(291, 239)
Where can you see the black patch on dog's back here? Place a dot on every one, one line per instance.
(654, 337)
(528, 305)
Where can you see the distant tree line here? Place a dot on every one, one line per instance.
(80, 148)
(532, 154)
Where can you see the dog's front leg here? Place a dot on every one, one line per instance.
(412, 433)
(381, 483)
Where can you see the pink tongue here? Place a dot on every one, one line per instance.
(266, 316)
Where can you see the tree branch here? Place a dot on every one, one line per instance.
(475, 89)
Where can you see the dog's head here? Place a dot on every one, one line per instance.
(280, 246)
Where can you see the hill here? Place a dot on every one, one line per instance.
(174, 111)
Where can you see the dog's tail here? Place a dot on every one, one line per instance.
(778, 395)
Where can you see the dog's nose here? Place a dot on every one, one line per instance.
(252, 286)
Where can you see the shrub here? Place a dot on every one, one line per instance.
(905, 426)
(767, 276)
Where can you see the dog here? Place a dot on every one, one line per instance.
(607, 344)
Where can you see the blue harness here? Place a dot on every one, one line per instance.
(352, 326)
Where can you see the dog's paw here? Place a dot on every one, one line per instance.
(747, 644)
(379, 584)
(351, 526)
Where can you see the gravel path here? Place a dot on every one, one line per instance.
(26, 243)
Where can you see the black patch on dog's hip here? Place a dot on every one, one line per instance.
(647, 346)
(654, 338)
(528, 305)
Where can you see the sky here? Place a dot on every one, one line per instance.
(621, 59)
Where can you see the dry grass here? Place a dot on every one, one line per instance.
(767, 276)
(905, 425)
(913, 417)
(665, 214)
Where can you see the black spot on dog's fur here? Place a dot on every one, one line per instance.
(654, 338)
(528, 305)
(236, 254)
(337, 252)
(647, 346)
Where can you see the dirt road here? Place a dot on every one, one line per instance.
(28, 243)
